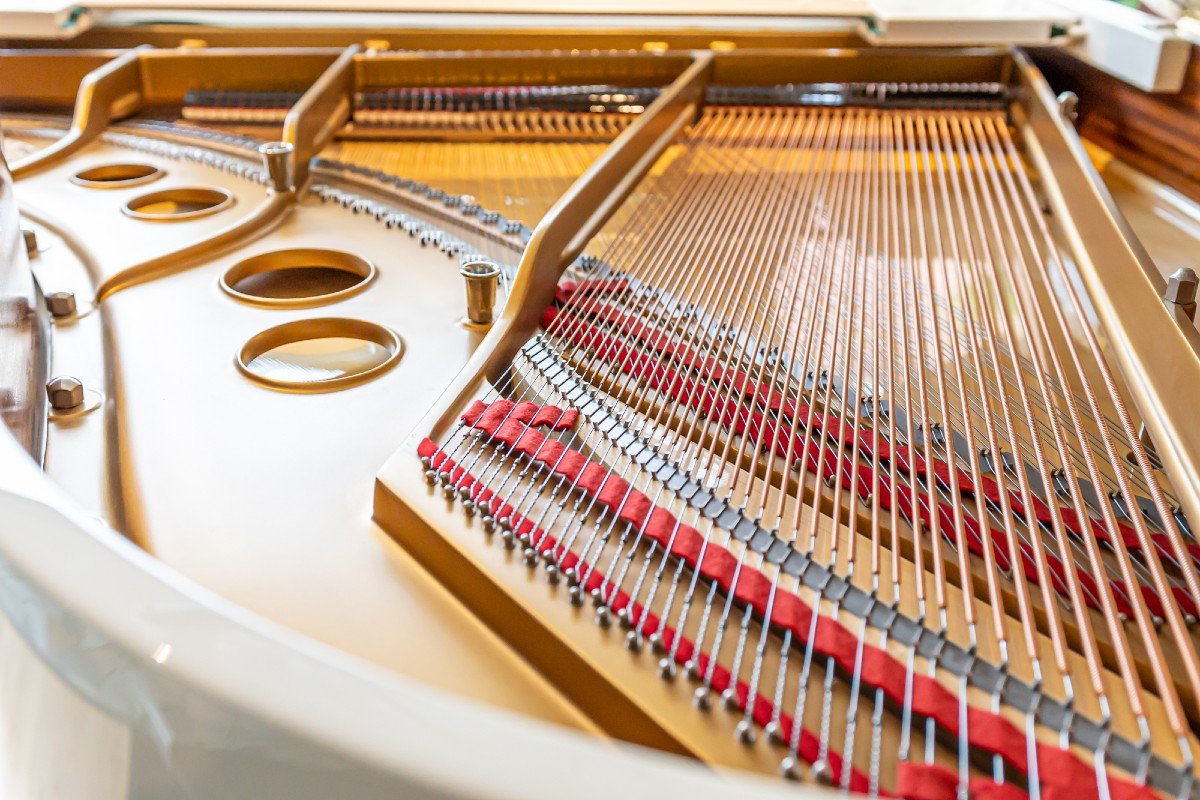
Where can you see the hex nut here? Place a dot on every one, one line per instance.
(1181, 287)
(61, 304)
(65, 393)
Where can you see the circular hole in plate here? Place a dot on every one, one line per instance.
(116, 176)
(299, 277)
(319, 355)
(180, 203)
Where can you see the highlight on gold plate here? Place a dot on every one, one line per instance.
(179, 204)
(319, 355)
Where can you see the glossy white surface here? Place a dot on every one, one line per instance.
(219, 703)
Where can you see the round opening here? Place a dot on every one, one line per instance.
(184, 202)
(116, 176)
(298, 277)
(319, 355)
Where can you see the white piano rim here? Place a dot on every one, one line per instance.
(178, 664)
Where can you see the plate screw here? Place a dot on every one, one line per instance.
(1181, 290)
(277, 157)
(65, 393)
(1068, 106)
(61, 304)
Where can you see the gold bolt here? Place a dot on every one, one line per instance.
(65, 393)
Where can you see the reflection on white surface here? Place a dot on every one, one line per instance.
(53, 744)
(162, 653)
(312, 360)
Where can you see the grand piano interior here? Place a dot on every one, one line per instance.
(756, 402)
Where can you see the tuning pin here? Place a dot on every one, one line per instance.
(666, 669)
(771, 731)
(552, 574)
(597, 597)
(505, 523)
(449, 492)
(790, 768)
(730, 700)
(575, 595)
(509, 540)
(744, 732)
(633, 642)
(656, 643)
(444, 477)
(625, 618)
(821, 773)
(603, 616)
(530, 557)
(430, 476)
(489, 523)
(702, 699)
(572, 576)
(426, 462)
(693, 670)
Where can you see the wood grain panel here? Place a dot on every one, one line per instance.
(1158, 134)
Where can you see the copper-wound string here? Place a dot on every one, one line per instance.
(856, 263)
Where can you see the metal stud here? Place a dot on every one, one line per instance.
(61, 304)
(65, 393)
(1182, 290)
(1068, 106)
